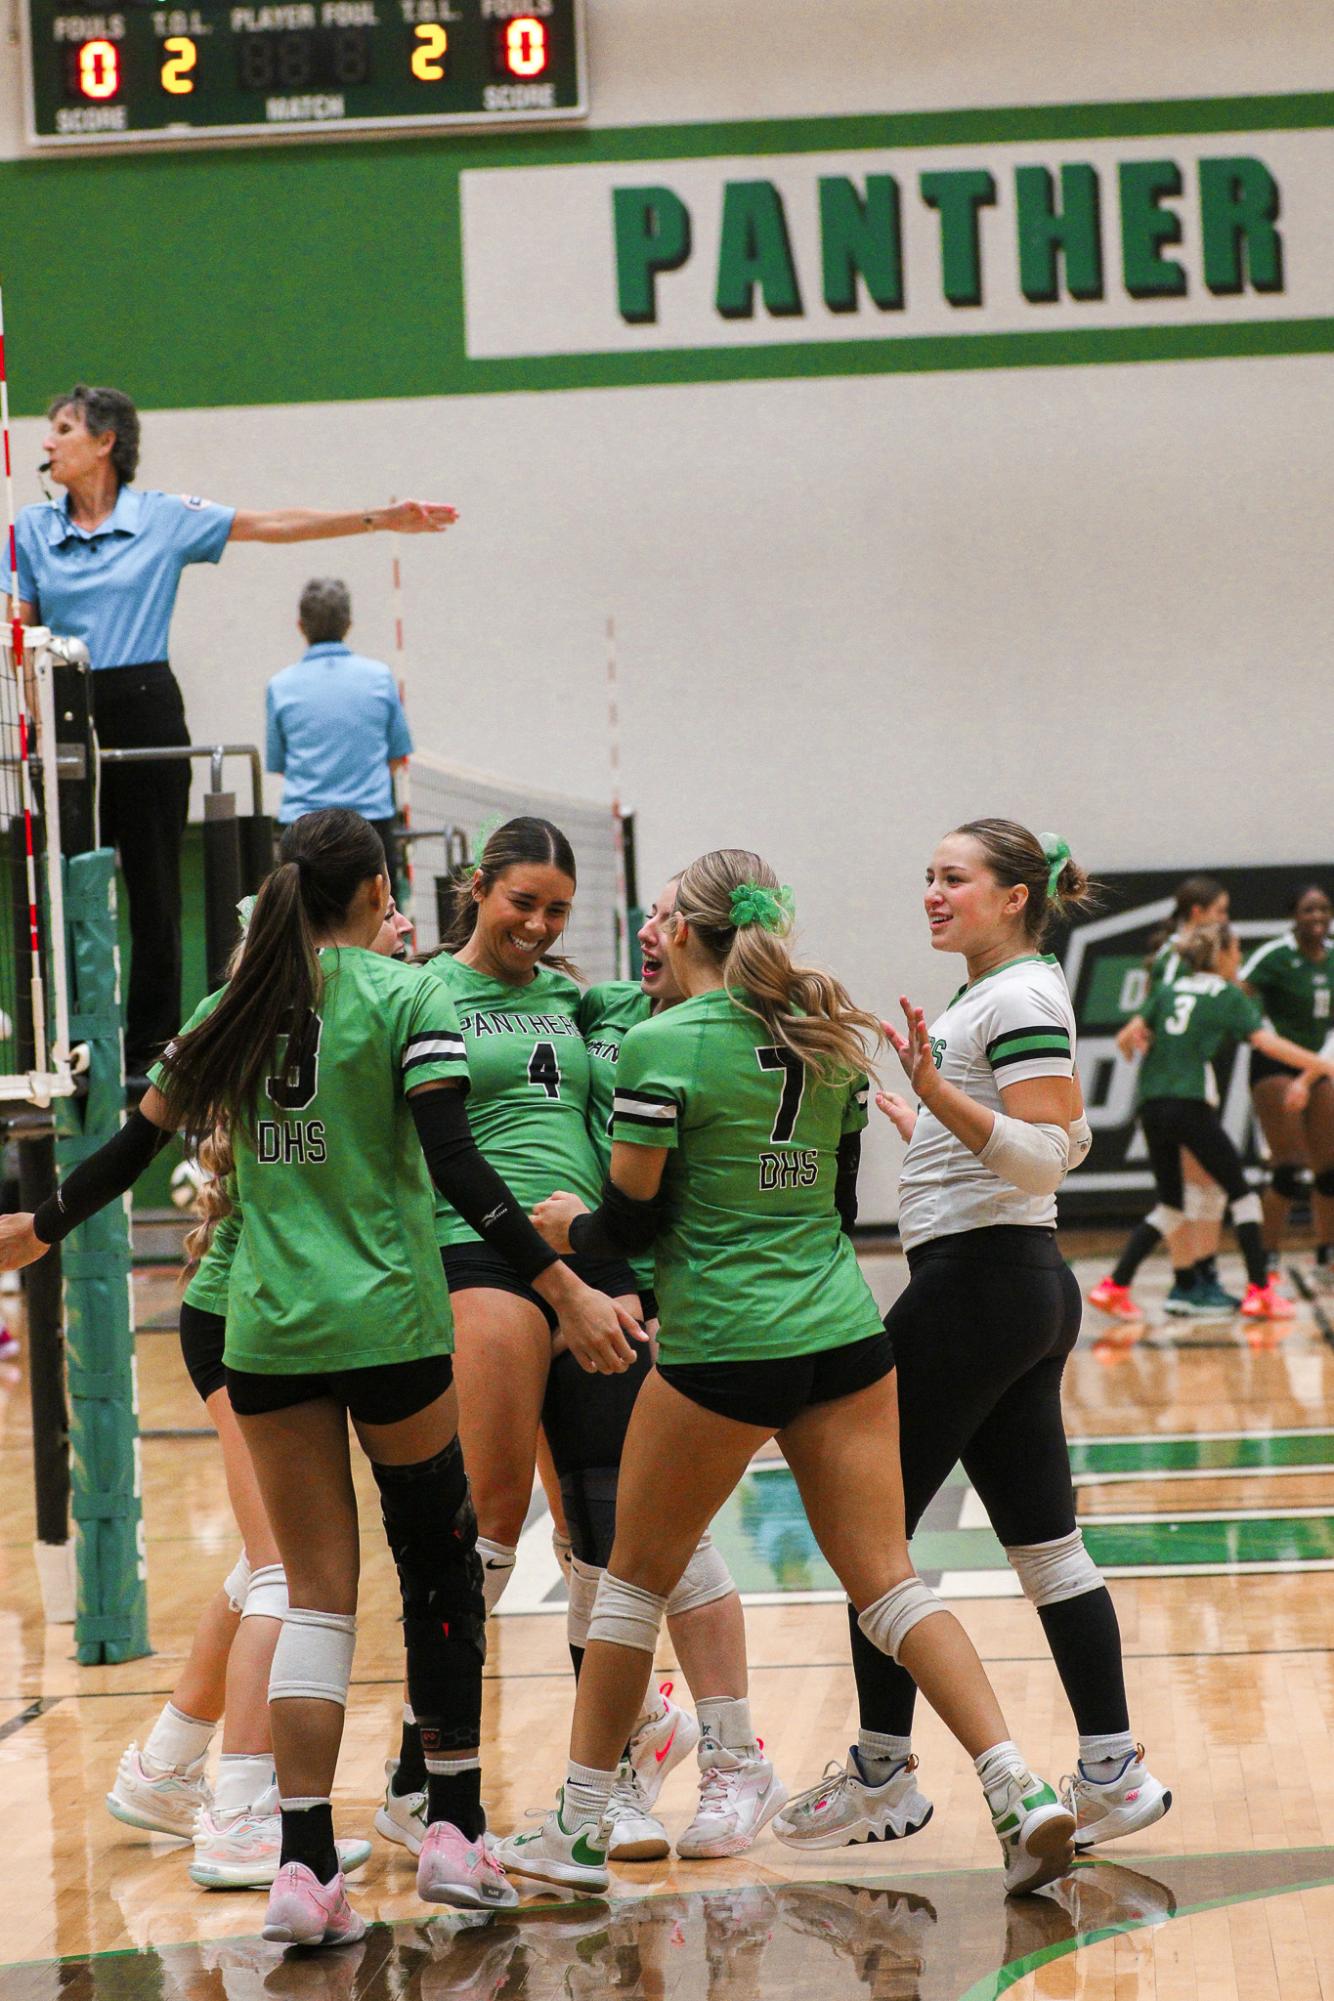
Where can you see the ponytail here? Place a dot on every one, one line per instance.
(213, 1075)
(1055, 882)
(742, 916)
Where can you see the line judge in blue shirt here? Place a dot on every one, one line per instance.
(334, 724)
(103, 565)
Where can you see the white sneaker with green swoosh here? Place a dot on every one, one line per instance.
(573, 1857)
(1035, 1831)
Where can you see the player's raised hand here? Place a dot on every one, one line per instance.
(913, 1047)
(418, 517)
(899, 1112)
(19, 1245)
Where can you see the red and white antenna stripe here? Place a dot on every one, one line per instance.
(404, 778)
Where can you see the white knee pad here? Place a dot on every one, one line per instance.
(1165, 1220)
(1205, 1202)
(889, 1621)
(1250, 1209)
(584, 1581)
(705, 1579)
(1053, 1571)
(237, 1582)
(563, 1550)
(498, 1560)
(625, 1615)
(267, 1596)
(313, 1656)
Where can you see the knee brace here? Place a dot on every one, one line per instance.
(1250, 1209)
(1288, 1180)
(497, 1560)
(237, 1582)
(313, 1656)
(626, 1616)
(588, 1496)
(584, 1581)
(1324, 1182)
(889, 1621)
(432, 1534)
(1164, 1219)
(267, 1596)
(1204, 1202)
(1052, 1571)
(705, 1579)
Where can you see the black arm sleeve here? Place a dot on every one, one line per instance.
(845, 1181)
(100, 1179)
(619, 1227)
(471, 1185)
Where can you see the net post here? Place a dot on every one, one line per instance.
(222, 881)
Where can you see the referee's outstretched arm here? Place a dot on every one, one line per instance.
(314, 524)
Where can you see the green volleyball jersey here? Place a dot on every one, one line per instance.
(529, 1070)
(1166, 963)
(208, 1288)
(606, 1016)
(1191, 1017)
(336, 1265)
(1294, 991)
(754, 1263)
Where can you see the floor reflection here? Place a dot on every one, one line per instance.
(946, 1935)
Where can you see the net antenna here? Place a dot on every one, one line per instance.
(617, 818)
(403, 778)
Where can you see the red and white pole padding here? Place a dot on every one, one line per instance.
(25, 731)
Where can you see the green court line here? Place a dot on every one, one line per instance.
(1249, 1452)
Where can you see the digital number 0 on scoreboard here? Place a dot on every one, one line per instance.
(152, 70)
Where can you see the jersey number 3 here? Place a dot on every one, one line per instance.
(298, 1081)
(543, 1069)
(771, 1057)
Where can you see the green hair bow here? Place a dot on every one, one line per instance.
(245, 910)
(1057, 853)
(771, 909)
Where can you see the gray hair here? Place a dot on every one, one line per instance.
(104, 410)
(326, 609)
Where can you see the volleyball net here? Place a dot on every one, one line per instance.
(35, 1057)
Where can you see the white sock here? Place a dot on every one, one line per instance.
(879, 1755)
(498, 1561)
(1003, 1761)
(243, 1779)
(177, 1740)
(1102, 1758)
(587, 1791)
(726, 1718)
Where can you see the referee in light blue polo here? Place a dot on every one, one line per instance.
(103, 565)
(334, 724)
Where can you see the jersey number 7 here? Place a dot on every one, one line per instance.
(771, 1057)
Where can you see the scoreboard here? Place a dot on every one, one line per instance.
(152, 70)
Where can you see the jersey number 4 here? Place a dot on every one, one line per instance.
(298, 1081)
(771, 1057)
(543, 1069)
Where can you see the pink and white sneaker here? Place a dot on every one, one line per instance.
(451, 1869)
(739, 1794)
(304, 1911)
(660, 1742)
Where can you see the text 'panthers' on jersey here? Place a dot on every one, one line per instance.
(754, 1263)
(1010, 1025)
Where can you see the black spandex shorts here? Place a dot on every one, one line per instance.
(648, 1304)
(774, 1393)
(1268, 1066)
(202, 1337)
(468, 1266)
(384, 1393)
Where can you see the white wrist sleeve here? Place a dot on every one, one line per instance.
(1030, 1157)
(1081, 1139)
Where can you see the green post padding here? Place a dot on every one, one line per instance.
(111, 1619)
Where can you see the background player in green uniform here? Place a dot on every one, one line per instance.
(340, 1077)
(1293, 979)
(735, 1146)
(1185, 1022)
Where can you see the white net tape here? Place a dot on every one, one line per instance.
(34, 1007)
(453, 809)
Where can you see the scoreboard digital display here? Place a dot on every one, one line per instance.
(150, 70)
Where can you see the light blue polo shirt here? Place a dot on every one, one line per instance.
(334, 720)
(115, 588)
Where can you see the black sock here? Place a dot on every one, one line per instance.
(886, 1693)
(308, 1837)
(1185, 1276)
(1206, 1270)
(1143, 1239)
(1085, 1643)
(1324, 1254)
(1253, 1250)
(457, 1798)
(411, 1774)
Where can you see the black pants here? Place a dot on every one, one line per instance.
(981, 1338)
(143, 810)
(1171, 1123)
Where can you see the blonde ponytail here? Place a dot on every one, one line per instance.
(742, 916)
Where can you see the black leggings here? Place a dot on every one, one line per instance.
(585, 1419)
(980, 1339)
(1170, 1124)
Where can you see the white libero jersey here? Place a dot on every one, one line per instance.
(1011, 1024)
